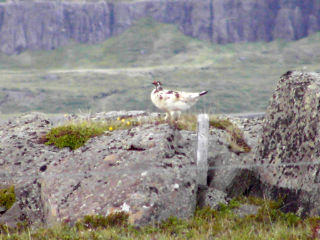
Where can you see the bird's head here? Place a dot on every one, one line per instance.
(158, 85)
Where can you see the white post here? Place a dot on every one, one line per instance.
(202, 152)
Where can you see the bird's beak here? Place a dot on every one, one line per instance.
(155, 83)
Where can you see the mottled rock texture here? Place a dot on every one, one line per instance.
(22, 160)
(48, 25)
(291, 135)
(148, 170)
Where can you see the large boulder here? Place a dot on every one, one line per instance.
(148, 171)
(288, 149)
(145, 171)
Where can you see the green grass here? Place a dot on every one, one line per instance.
(117, 73)
(206, 223)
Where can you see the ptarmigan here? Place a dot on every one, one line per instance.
(173, 101)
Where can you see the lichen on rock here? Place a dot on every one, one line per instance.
(290, 142)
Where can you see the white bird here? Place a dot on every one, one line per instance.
(173, 101)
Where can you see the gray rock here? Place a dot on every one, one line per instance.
(214, 197)
(13, 216)
(24, 158)
(229, 171)
(141, 171)
(2, 209)
(289, 144)
(146, 171)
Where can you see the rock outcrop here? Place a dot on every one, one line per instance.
(289, 144)
(48, 25)
(148, 171)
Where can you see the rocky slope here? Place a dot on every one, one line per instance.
(48, 25)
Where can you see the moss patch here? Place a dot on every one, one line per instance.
(7, 197)
(76, 133)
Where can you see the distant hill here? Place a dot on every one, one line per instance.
(117, 74)
(47, 25)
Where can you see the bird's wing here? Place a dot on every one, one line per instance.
(188, 96)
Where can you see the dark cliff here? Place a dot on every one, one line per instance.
(48, 25)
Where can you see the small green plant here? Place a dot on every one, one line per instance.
(76, 133)
(72, 136)
(7, 197)
(218, 123)
(236, 138)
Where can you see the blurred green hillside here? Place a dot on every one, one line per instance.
(117, 74)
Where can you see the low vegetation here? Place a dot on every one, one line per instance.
(75, 134)
(207, 223)
(7, 197)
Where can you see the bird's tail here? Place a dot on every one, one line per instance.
(203, 93)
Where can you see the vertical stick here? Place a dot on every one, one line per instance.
(202, 152)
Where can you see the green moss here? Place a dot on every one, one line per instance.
(219, 123)
(236, 138)
(7, 197)
(70, 136)
(76, 134)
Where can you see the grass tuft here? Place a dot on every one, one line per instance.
(235, 139)
(94, 222)
(206, 223)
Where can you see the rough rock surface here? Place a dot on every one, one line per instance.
(22, 159)
(48, 25)
(145, 171)
(149, 171)
(290, 142)
(229, 171)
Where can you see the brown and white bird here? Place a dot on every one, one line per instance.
(173, 101)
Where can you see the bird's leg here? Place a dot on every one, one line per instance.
(179, 114)
(173, 119)
(167, 117)
(177, 118)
